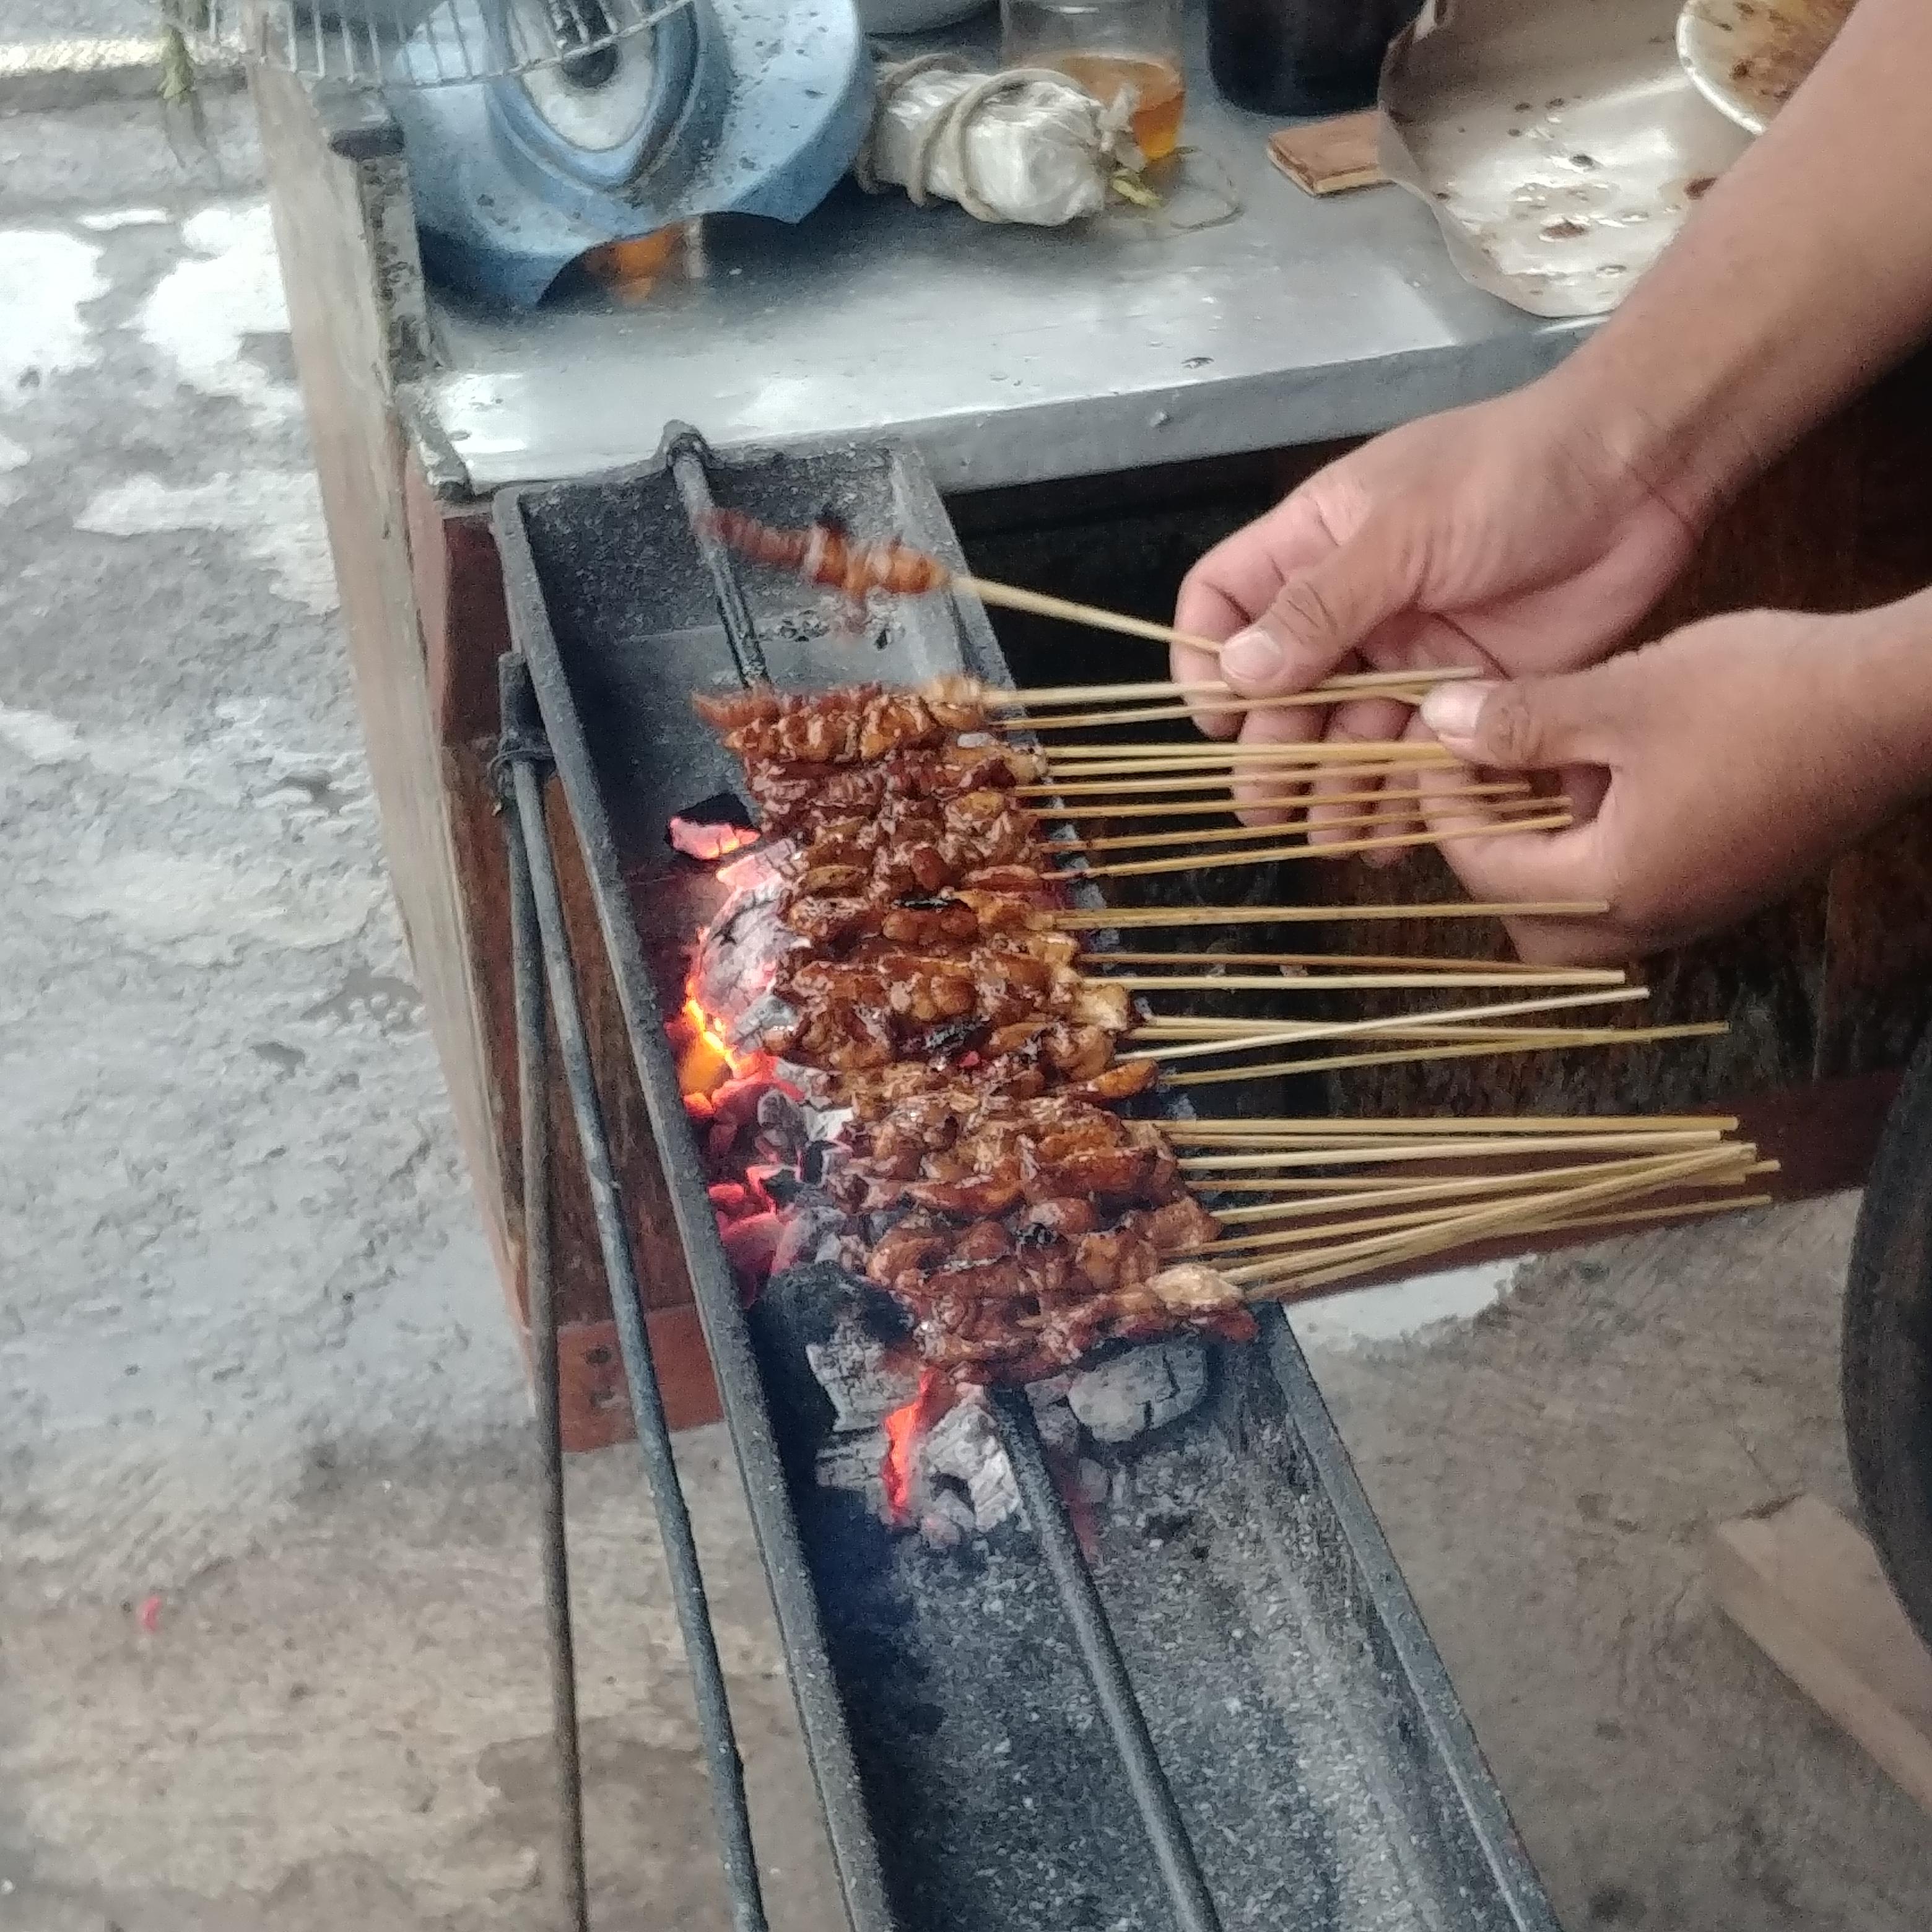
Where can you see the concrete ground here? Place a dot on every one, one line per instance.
(271, 1638)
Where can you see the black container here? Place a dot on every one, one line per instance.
(1296, 57)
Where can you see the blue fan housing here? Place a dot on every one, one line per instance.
(722, 107)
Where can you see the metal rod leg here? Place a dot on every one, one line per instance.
(714, 1711)
(533, 1107)
(1106, 1669)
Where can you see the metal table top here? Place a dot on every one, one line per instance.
(1006, 355)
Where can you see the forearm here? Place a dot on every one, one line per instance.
(1804, 274)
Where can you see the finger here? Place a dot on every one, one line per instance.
(1323, 613)
(1369, 721)
(1262, 798)
(1235, 581)
(1530, 724)
(1185, 665)
(1407, 794)
(1569, 942)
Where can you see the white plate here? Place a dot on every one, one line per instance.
(1746, 57)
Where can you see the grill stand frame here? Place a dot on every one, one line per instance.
(542, 728)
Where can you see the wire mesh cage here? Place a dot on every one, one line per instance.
(416, 44)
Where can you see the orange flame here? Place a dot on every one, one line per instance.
(904, 1428)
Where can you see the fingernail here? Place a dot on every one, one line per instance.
(1451, 710)
(1252, 657)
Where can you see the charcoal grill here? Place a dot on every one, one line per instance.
(1207, 1702)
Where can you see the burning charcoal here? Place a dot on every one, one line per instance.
(822, 1160)
(1143, 1389)
(851, 1463)
(1059, 1429)
(749, 1245)
(731, 1201)
(712, 829)
(964, 1445)
(806, 1229)
(759, 1018)
(946, 1521)
(781, 1184)
(782, 1124)
(863, 1381)
(845, 1250)
(737, 1101)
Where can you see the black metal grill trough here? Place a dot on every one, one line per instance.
(1209, 1702)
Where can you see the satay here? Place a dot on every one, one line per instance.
(1028, 1220)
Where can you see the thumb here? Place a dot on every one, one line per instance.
(1532, 724)
(1320, 614)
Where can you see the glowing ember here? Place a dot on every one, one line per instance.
(904, 1428)
(709, 1059)
(748, 874)
(712, 841)
(714, 828)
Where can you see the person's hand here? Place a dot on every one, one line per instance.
(1511, 537)
(1709, 773)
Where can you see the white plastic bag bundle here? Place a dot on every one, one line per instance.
(1028, 144)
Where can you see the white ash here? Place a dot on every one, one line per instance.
(760, 1011)
(1059, 1428)
(964, 1445)
(864, 1383)
(813, 1232)
(738, 952)
(946, 1521)
(855, 1463)
(1093, 1480)
(1143, 1389)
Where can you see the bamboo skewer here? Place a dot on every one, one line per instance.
(1476, 1223)
(1300, 1285)
(1038, 604)
(1473, 1224)
(1236, 1165)
(1509, 814)
(1381, 1191)
(1264, 1239)
(1136, 919)
(1343, 684)
(1130, 781)
(1313, 1125)
(1421, 962)
(1292, 1032)
(1313, 983)
(1421, 1225)
(1182, 751)
(1106, 717)
(1338, 848)
(1634, 1177)
(1180, 807)
(1334, 1062)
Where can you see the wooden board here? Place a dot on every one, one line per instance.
(1806, 1587)
(1329, 157)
